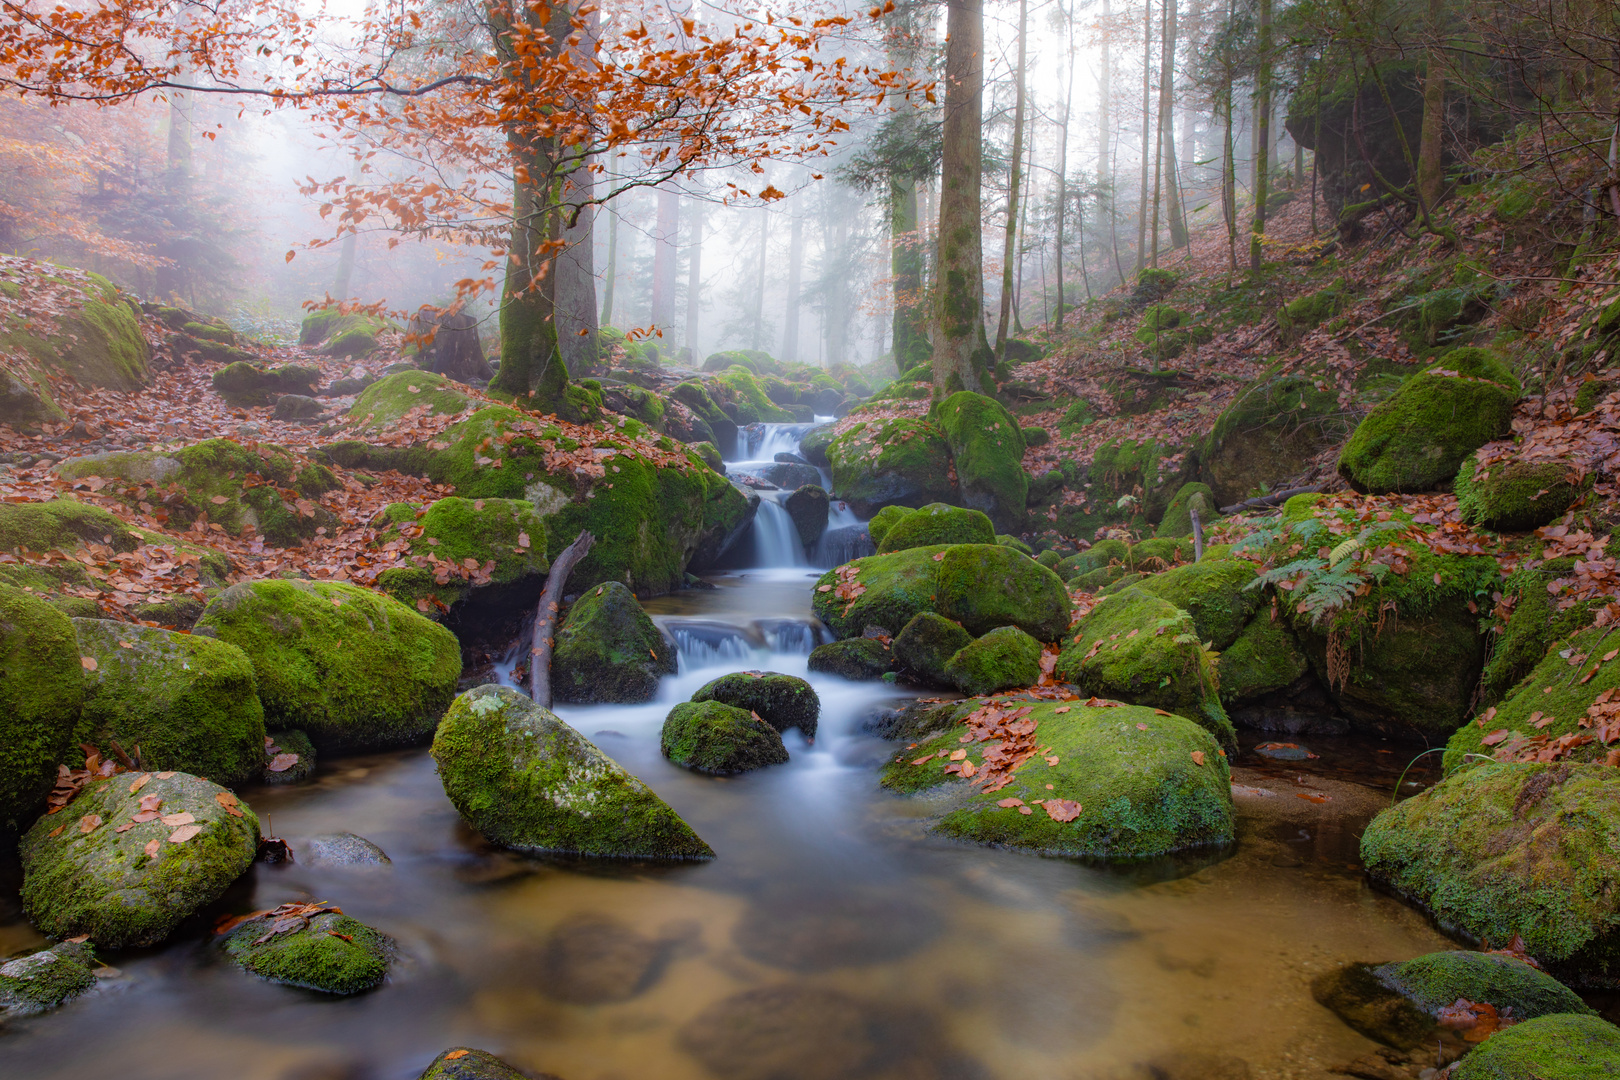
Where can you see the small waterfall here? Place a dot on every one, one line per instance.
(701, 645)
(844, 538)
(762, 442)
(776, 538)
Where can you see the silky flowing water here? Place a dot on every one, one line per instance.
(880, 951)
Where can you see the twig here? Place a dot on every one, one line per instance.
(1274, 499)
(545, 618)
(1198, 536)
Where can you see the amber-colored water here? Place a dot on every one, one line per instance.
(882, 951)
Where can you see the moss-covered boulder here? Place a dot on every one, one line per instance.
(1137, 647)
(754, 406)
(877, 463)
(855, 659)
(1516, 496)
(609, 650)
(84, 872)
(1215, 592)
(1274, 424)
(1499, 850)
(1305, 313)
(1264, 658)
(1004, 659)
(782, 701)
(695, 398)
(937, 523)
(526, 780)
(41, 691)
(183, 701)
(353, 669)
(808, 507)
(314, 950)
(1106, 552)
(925, 646)
(1177, 520)
(323, 324)
(1420, 436)
(352, 343)
(246, 384)
(390, 398)
(263, 489)
(711, 737)
(1436, 980)
(476, 565)
(1558, 1047)
(1537, 622)
(886, 519)
(987, 448)
(1126, 783)
(466, 1063)
(45, 978)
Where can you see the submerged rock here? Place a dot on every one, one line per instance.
(526, 780)
(709, 737)
(316, 950)
(809, 929)
(134, 855)
(466, 1063)
(353, 669)
(782, 701)
(1370, 1007)
(855, 659)
(44, 979)
(341, 849)
(41, 690)
(593, 959)
(1559, 1047)
(609, 650)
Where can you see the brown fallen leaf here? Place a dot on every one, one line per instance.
(958, 755)
(968, 768)
(282, 762)
(454, 1054)
(184, 833)
(139, 782)
(89, 823)
(88, 663)
(1061, 810)
(1160, 712)
(165, 775)
(1010, 802)
(1198, 757)
(125, 827)
(184, 817)
(1313, 796)
(1495, 737)
(54, 833)
(345, 937)
(1052, 760)
(1141, 727)
(153, 847)
(227, 800)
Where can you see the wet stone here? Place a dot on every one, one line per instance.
(1283, 751)
(466, 1063)
(44, 979)
(1356, 995)
(341, 849)
(811, 931)
(594, 959)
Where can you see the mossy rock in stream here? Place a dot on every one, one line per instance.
(937, 523)
(886, 519)
(41, 691)
(856, 659)
(467, 1063)
(329, 952)
(83, 875)
(1215, 592)
(808, 507)
(987, 450)
(1499, 850)
(883, 462)
(182, 701)
(1558, 1047)
(45, 978)
(754, 406)
(1436, 980)
(289, 757)
(609, 650)
(1004, 659)
(711, 737)
(925, 646)
(526, 780)
(1140, 648)
(782, 701)
(1147, 784)
(1516, 496)
(353, 669)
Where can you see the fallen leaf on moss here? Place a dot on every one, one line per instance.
(184, 833)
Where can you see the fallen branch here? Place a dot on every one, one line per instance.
(1276, 498)
(1198, 536)
(545, 618)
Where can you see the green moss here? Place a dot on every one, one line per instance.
(324, 323)
(1139, 648)
(1004, 659)
(1525, 849)
(41, 690)
(609, 650)
(1559, 1047)
(1131, 770)
(1275, 423)
(182, 701)
(925, 646)
(896, 588)
(466, 1063)
(1101, 578)
(209, 332)
(855, 659)
(504, 537)
(1166, 332)
(1102, 553)
(1017, 545)
(85, 330)
(890, 462)
(1536, 623)
(1159, 553)
(352, 343)
(1435, 981)
(388, 399)
(62, 524)
(987, 449)
(886, 519)
(104, 884)
(1177, 520)
(288, 741)
(330, 952)
(782, 701)
(937, 523)
(526, 780)
(246, 384)
(1305, 313)
(753, 404)
(711, 737)
(354, 669)
(1265, 657)
(1516, 496)
(45, 978)
(1215, 592)
(985, 586)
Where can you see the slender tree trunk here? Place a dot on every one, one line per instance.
(910, 346)
(612, 258)
(351, 240)
(543, 639)
(1147, 132)
(961, 351)
(694, 283)
(576, 275)
(665, 233)
(1167, 128)
(1430, 177)
(759, 291)
(1010, 249)
(1228, 147)
(790, 318)
(1023, 224)
(1262, 112)
(1063, 176)
(1106, 158)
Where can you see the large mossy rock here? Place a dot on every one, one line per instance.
(937, 523)
(238, 488)
(1516, 496)
(782, 701)
(185, 701)
(505, 540)
(886, 519)
(712, 737)
(84, 873)
(1537, 622)
(1215, 592)
(528, 781)
(41, 691)
(1146, 784)
(1177, 519)
(981, 586)
(326, 951)
(609, 650)
(925, 646)
(246, 384)
(1276, 423)
(392, 397)
(808, 506)
(903, 462)
(45, 978)
(696, 398)
(856, 659)
(987, 448)
(1264, 658)
(353, 669)
(753, 405)
(1137, 647)
(1004, 659)
(1418, 438)
(1558, 1047)
(1436, 980)
(1499, 850)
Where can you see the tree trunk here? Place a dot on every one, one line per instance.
(961, 350)
(1063, 175)
(1430, 177)
(1010, 249)
(544, 638)
(612, 259)
(694, 284)
(759, 292)
(576, 276)
(1262, 113)
(790, 318)
(665, 233)
(1023, 225)
(910, 346)
(1167, 129)
(1147, 132)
